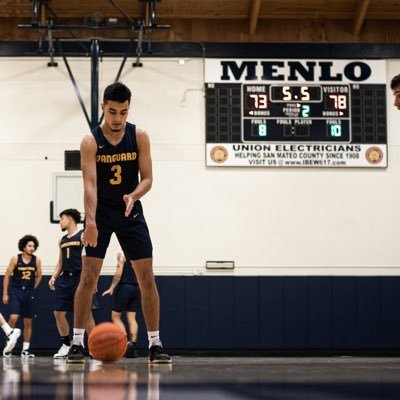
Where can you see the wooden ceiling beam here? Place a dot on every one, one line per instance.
(254, 14)
(252, 11)
(359, 16)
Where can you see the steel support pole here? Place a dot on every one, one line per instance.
(95, 51)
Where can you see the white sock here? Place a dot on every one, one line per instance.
(6, 328)
(154, 338)
(78, 336)
(25, 346)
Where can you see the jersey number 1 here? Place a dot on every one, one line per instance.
(117, 175)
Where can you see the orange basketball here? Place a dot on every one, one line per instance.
(107, 342)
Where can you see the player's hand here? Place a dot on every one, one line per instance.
(128, 204)
(109, 291)
(5, 298)
(52, 281)
(89, 237)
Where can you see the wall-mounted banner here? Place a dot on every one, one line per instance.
(296, 113)
(296, 155)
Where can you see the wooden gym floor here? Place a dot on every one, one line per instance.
(214, 378)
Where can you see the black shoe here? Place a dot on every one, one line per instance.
(131, 351)
(157, 356)
(76, 355)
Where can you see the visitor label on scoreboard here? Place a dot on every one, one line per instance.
(296, 155)
(329, 113)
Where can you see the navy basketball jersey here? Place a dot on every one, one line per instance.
(24, 274)
(128, 274)
(117, 166)
(71, 249)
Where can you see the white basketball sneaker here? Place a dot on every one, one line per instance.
(11, 341)
(27, 354)
(62, 352)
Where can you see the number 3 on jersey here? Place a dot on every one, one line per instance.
(117, 175)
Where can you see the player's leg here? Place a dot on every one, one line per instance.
(91, 268)
(133, 326)
(27, 338)
(15, 304)
(149, 294)
(119, 300)
(151, 309)
(63, 330)
(116, 319)
(27, 313)
(132, 307)
(12, 336)
(134, 239)
(90, 324)
(92, 261)
(12, 320)
(131, 351)
(62, 323)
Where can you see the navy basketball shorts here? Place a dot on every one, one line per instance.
(66, 285)
(95, 302)
(132, 232)
(22, 301)
(126, 297)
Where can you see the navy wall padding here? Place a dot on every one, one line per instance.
(390, 311)
(344, 312)
(369, 313)
(221, 312)
(320, 313)
(196, 312)
(276, 313)
(246, 312)
(271, 312)
(172, 309)
(295, 313)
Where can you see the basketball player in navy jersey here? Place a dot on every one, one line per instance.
(113, 156)
(395, 86)
(25, 273)
(125, 297)
(65, 278)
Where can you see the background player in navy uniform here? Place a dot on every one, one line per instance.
(25, 273)
(113, 156)
(125, 294)
(395, 86)
(65, 278)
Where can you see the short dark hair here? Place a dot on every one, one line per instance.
(117, 91)
(73, 213)
(24, 241)
(395, 82)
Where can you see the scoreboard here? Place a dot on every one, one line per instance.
(296, 112)
(291, 113)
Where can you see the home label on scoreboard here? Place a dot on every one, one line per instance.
(318, 103)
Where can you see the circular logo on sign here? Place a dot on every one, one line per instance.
(374, 155)
(219, 154)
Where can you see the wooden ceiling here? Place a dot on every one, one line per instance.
(242, 19)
